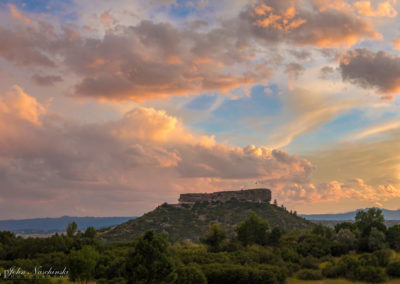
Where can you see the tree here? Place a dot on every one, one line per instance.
(393, 237)
(365, 221)
(149, 261)
(376, 240)
(215, 237)
(347, 238)
(254, 230)
(90, 233)
(275, 236)
(82, 264)
(71, 229)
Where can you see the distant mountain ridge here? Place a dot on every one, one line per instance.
(52, 225)
(388, 214)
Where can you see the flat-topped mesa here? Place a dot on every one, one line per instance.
(252, 195)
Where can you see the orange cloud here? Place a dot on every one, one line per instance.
(327, 26)
(284, 20)
(16, 14)
(18, 104)
(384, 9)
(144, 157)
(396, 43)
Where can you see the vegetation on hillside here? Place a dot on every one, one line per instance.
(365, 250)
(191, 221)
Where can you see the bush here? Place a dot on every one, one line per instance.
(339, 249)
(309, 274)
(190, 274)
(383, 257)
(309, 262)
(241, 274)
(292, 268)
(331, 270)
(348, 267)
(314, 245)
(371, 274)
(393, 269)
(217, 273)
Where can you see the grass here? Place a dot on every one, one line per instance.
(333, 281)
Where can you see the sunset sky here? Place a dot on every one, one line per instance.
(110, 108)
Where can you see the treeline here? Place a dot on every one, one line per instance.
(365, 250)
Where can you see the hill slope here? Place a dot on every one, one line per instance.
(184, 221)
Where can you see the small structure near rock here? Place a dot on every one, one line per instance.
(252, 195)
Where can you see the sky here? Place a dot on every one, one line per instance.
(110, 108)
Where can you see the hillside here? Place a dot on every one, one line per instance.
(191, 221)
(51, 225)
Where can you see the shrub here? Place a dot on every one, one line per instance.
(371, 274)
(368, 259)
(383, 257)
(348, 267)
(309, 274)
(241, 274)
(309, 262)
(393, 269)
(339, 248)
(314, 245)
(289, 255)
(190, 274)
(331, 270)
(292, 268)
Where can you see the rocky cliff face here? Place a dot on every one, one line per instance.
(252, 195)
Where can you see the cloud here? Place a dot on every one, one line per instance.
(46, 80)
(294, 70)
(371, 70)
(155, 59)
(360, 158)
(290, 21)
(17, 104)
(334, 191)
(52, 165)
(145, 157)
(383, 9)
(396, 43)
(383, 128)
(326, 71)
(308, 111)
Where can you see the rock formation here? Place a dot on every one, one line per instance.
(252, 195)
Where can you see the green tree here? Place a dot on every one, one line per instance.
(393, 237)
(82, 264)
(345, 225)
(373, 218)
(275, 236)
(254, 230)
(347, 238)
(149, 261)
(90, 233)
(215, 237)
(71, 229)
(376, 240)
